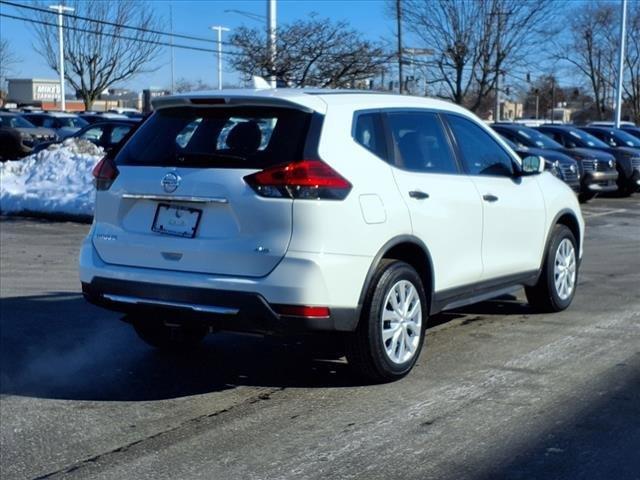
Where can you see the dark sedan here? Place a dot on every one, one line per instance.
(562, 166)
(572, 137)
(597, 169)
(20, 136)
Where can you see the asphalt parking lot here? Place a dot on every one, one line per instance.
(500, 392)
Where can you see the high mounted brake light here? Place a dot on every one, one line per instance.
(306, 179)
(104, 173)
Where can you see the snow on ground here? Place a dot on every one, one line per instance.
(56, 180)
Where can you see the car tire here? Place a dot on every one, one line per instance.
(168, 338)
(556, 286)
(389, 337)
(584, 197)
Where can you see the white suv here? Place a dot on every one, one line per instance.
(278, 211)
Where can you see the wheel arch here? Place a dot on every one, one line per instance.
(569, 219)
(411, 250)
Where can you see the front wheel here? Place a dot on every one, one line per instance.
(556, 286)
(390, 333)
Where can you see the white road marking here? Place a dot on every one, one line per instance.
(602, 214)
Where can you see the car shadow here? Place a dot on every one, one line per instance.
(59, 346)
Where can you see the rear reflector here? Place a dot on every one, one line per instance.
(307, 179)
(104, 173)
(302, 311)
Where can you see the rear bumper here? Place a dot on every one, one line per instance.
(220, 309)
(234, 303)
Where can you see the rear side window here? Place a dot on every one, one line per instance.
(369, 133)
(421, 142)
(219, 137)
(481, 154)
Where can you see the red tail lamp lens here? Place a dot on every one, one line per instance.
(104, 173)
(308, 179)
(302, 311)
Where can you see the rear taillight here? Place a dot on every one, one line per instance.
(307, 179)
(104, 173)
(302, 311)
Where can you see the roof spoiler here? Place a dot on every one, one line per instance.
(160, 103)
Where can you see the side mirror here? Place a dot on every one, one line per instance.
(532, 165)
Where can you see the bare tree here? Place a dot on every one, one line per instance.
(474, 41)
(592, 49)
(8, 60)
(314, 52)
(101, 53)
(184, 85)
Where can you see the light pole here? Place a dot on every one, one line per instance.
(400, 60)
(623, 28)
(271, 40)
(60, 9)
(219, 29)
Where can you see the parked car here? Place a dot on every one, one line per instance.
(572, 137)
(107, 134)
(11, 144)
(361, 214)
(601, 123)
(96, 117)
(64, 124)
(21, 136)
(597, 169)
(131, 113)
(635, 131)
(616, 138)
(558, 164)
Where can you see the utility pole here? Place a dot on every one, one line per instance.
(60, 9)
(496, 116)
(399, 21)
(553, 98)
(623, 32)
(271, 41)
(173, 84)
(219, 29)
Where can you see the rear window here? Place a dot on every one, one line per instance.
(231, 137)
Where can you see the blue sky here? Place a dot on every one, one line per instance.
(194, 18)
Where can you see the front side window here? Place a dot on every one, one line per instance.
(481, 154)
(369, 133)
(537, 139)
(421, 142)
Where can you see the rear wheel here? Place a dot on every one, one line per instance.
(168, 337)
(556, 286)
(390, 333)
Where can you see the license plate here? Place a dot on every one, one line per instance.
(178, 221)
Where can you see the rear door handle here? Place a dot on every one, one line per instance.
(489, 198)
(418, 195)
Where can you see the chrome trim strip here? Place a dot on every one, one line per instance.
(190, 306)
(174, 198)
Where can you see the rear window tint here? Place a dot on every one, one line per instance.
(233, 137)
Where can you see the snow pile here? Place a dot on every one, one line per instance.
(56, 180)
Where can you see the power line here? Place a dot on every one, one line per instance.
(113, 24)
(114, 35)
